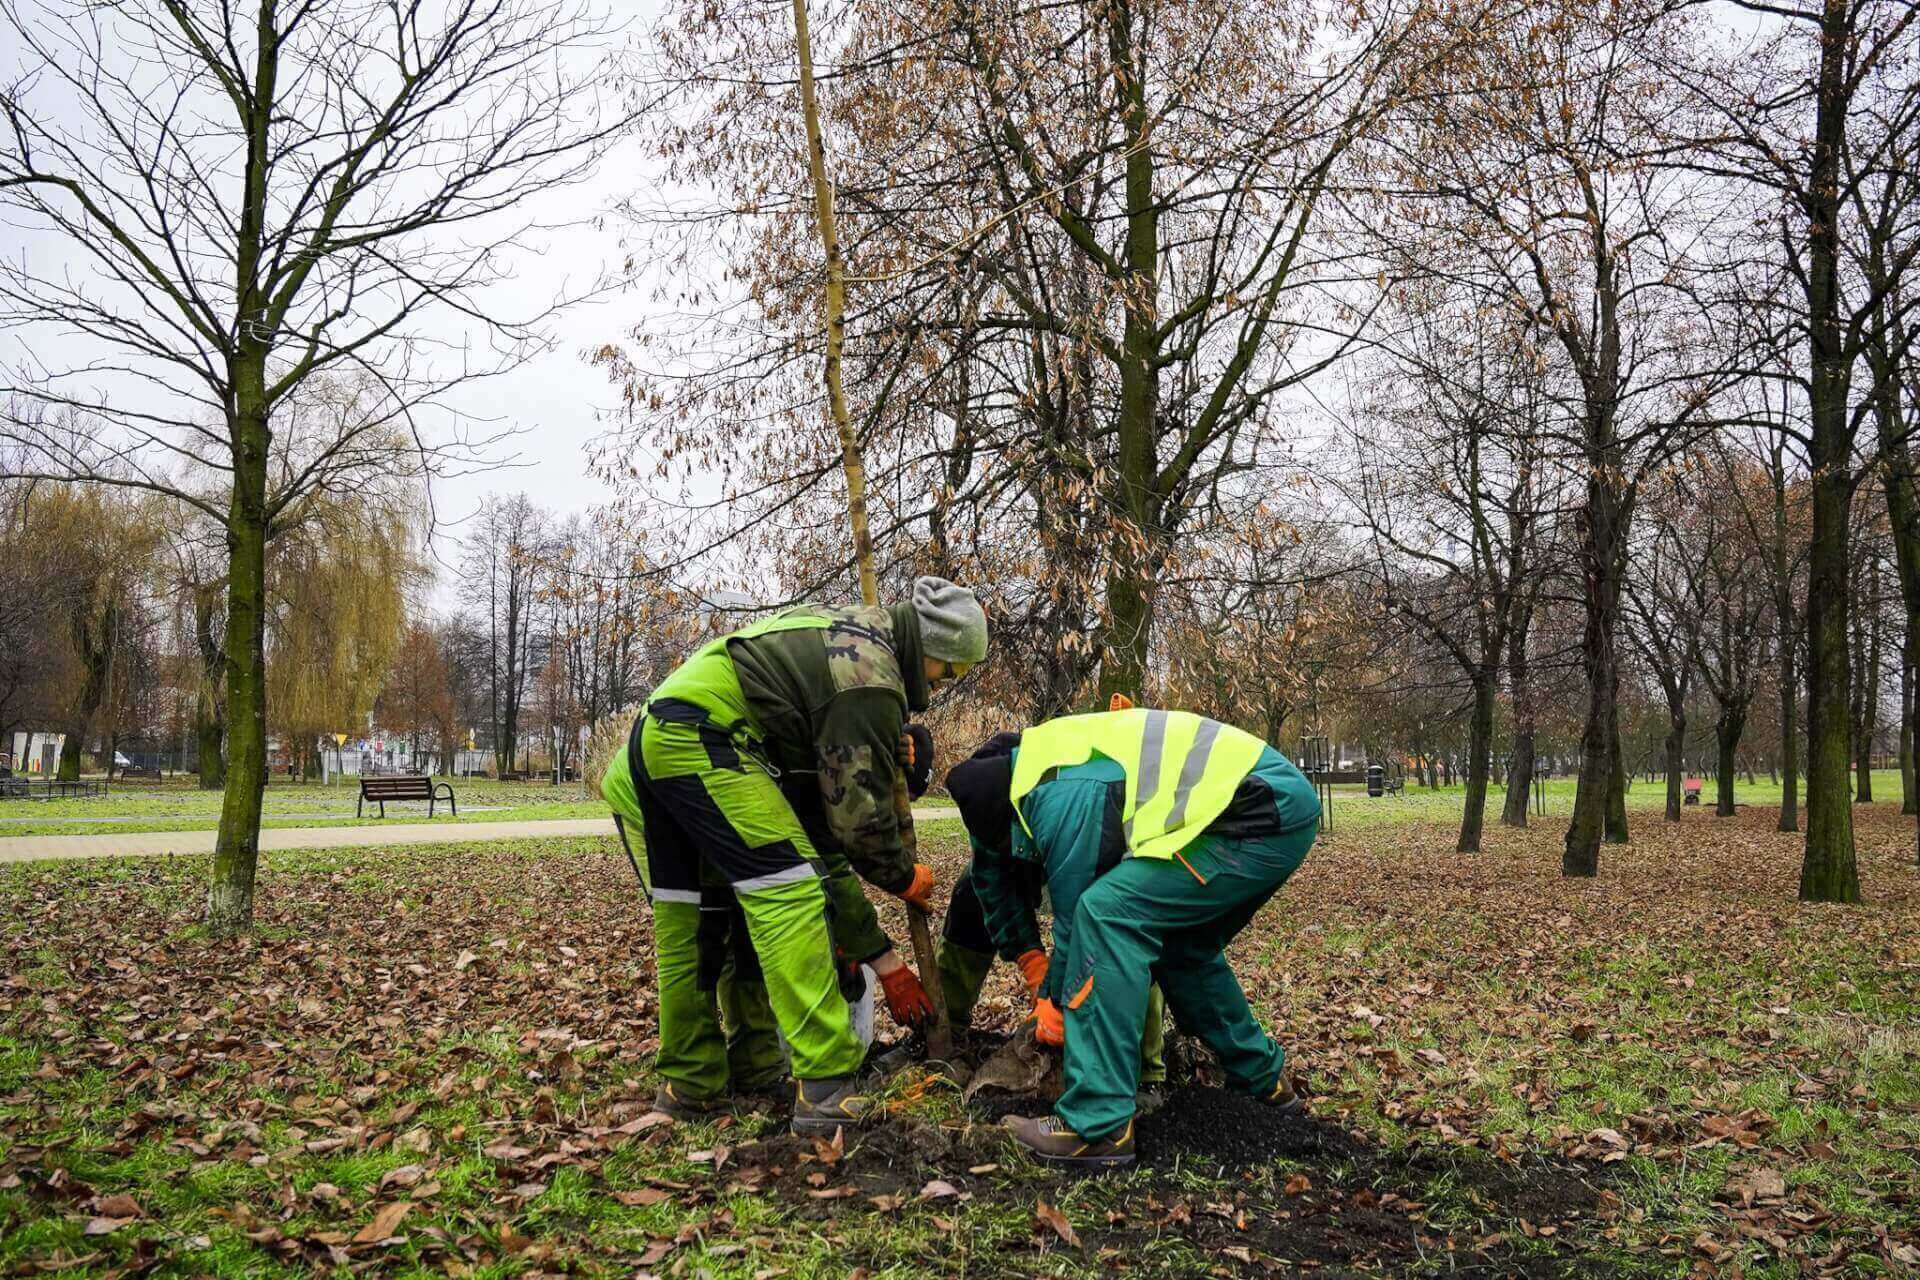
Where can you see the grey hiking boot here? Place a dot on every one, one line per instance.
(1048, 1138)
(1284, 1099)
(684, 1106)
(821, 1106)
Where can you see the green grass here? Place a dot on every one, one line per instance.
(1442, 1006)
(175, 806)
(1417, 804)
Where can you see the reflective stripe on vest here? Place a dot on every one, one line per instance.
(1182, 769)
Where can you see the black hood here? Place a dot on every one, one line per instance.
(982, 787)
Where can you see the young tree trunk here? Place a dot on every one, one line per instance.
(1479, 759)
(1519, 780)
(209, 734)
(1123, 664)
(940, 1033)
(1617, 783)
(209, 707)
(236, 849)
(1727, 732)
(1907, 798)
(1676, 758)
(1867, 708)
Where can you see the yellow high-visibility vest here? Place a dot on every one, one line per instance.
(1182, 769)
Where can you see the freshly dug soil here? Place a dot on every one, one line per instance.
(1232, 1131)
(1224, 1186)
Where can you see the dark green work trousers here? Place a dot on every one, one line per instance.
(1168, 922)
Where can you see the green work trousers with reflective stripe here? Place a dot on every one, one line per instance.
(701, 1061)
(1152, 920)
(713, 817)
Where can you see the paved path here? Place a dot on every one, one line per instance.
(139, 843)
(126, 820)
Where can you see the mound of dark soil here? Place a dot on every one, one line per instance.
(1233, 1131)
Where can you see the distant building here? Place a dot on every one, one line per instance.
(33, 754)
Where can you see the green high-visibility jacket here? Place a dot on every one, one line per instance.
(1181, 769)
(820, 693)
(1073, 829)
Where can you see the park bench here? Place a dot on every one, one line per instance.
(404, 786)
(29, 788)
(136, 771)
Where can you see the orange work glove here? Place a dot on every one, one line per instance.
(907, 1000)
(1033, 970)
(1049, 1028)
(919, 890)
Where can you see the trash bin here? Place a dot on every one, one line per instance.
(1376, 780)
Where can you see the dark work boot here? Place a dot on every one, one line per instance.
(1048, 1138)
(684, 1107)
(821, 1106)
(1284, 1099)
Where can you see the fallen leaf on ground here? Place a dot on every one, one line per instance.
(1045, 1215)
(385, 1220)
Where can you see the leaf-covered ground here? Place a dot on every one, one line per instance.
(436, 1062)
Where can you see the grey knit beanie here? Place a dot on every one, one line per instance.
(953, 626)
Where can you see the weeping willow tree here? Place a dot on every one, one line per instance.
(339, 587)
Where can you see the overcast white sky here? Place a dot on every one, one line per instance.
(554, 401)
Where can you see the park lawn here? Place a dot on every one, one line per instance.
(170, 806)
(1352, 807)
(436, 1062)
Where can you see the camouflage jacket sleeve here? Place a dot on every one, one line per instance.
(859, 747)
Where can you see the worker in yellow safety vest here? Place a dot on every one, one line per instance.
(1158, 835)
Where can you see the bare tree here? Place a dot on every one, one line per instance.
(501, 575)
(1550, 182)
(251, 197)
(1450, 485)
(1663, 611)
(1819, 114)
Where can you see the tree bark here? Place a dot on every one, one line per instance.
(1726, 732)
(236, 848)
(1829, 871)
(1866, 708)
(209, 708)
(1129, 581)
(1519, 684)
(1479, 759)
(1616, 769)
(1519, 780)
(1676, 758)
(1907, 799)
(1789, 698)
(1581, 856)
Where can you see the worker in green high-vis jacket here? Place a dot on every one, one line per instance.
(1158, 835)
(798, 716)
